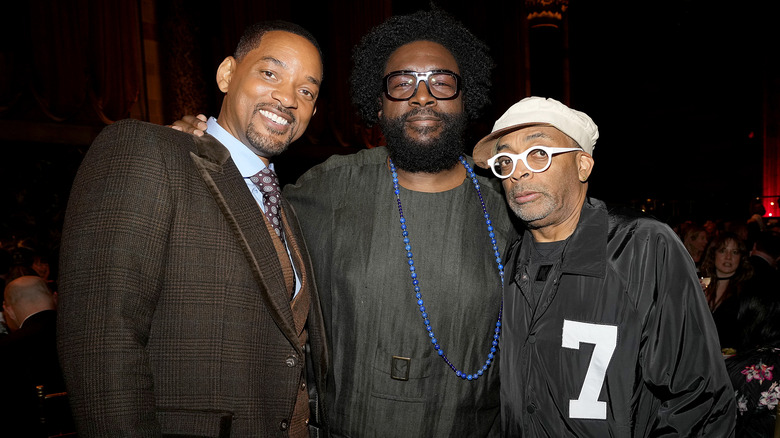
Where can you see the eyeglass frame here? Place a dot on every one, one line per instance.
(550, 151)
(421, 77)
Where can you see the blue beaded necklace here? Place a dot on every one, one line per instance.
(416, 282)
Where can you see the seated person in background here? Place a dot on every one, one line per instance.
(28, 356)
(755, 223)
(12, 274)
(6, 260)
(695, 240)
(763, 258)
(726, 265)
(711, 228)
(26, 255)
(754, 370)
(17, 271)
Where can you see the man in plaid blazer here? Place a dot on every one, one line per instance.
(182, 312)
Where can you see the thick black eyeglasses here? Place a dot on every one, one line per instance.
(441, 84)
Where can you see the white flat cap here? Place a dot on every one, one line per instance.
(539, 111)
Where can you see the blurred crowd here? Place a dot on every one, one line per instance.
(29, 364)
(738, 264)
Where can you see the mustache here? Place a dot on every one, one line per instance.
(422, 112)
(524, 187)
(279, 108)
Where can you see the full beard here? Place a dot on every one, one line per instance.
(265, 145)
(432, 156)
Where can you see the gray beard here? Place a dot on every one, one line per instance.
(525, 215)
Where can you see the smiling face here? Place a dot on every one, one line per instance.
(548, 202)
(271, 93)
(727, 259)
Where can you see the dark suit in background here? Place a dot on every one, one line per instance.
(28, 358)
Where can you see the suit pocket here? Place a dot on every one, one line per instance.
(195, 424)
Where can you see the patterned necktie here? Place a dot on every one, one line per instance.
(268, 183)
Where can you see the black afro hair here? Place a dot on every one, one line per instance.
(371, 54)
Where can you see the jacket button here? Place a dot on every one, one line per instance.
(530, 409)
(291, 361)
(284, 425)
(531, 339)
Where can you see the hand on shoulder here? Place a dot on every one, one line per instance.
(195, 125)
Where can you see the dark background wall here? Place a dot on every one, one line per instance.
(685, 92)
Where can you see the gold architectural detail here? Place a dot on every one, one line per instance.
(545, 12)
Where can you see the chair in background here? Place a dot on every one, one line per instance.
(54, 412)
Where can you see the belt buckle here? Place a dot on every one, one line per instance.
(399, 368)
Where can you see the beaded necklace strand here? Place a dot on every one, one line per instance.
(416, 282)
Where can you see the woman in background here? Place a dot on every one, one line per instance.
(726, 265)
(695, 240)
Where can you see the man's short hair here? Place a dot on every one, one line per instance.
(371, 54)
(253, 34)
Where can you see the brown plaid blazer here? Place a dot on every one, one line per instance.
(173, 310)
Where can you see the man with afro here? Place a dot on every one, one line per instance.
(405, 241)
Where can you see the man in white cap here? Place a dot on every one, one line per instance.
(606, 331)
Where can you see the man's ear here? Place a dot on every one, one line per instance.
(379, 113)
(10, 315)
(584, 166)
(225, 73)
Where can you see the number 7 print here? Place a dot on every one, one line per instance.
(604, 337)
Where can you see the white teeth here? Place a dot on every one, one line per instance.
(274, 118)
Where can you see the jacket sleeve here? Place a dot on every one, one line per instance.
(681, 362)
(113, 245)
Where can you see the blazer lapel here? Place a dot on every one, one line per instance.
(247, 223)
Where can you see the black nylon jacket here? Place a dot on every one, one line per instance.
(621, 343)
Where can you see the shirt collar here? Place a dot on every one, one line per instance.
(247, 162)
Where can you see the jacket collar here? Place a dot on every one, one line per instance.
(586, 252)
(40, 317)
(211, 150)
(586, 249)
